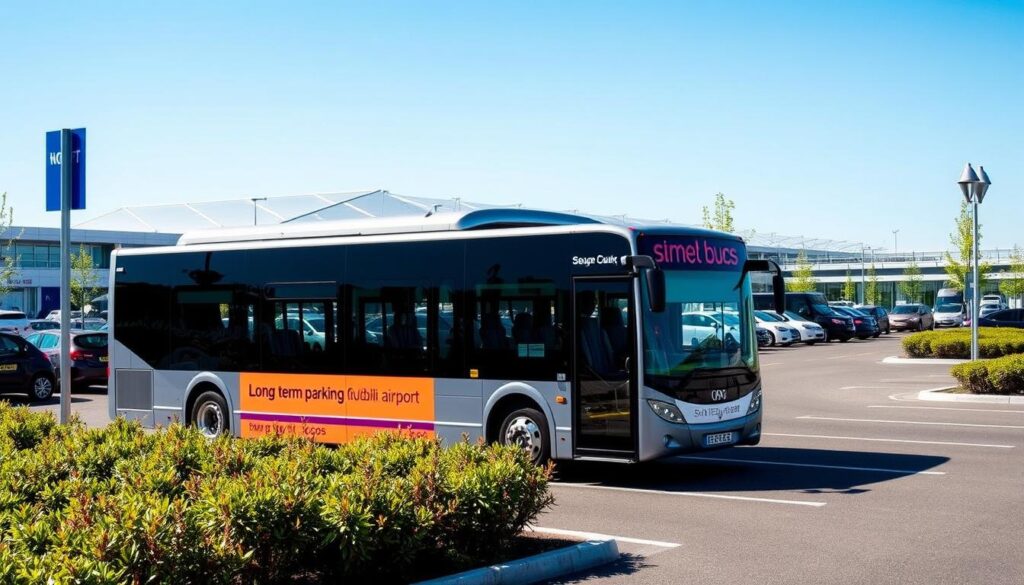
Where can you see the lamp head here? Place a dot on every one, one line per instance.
(968, 179)
(981, 187)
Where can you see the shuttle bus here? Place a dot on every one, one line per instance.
(571, 337)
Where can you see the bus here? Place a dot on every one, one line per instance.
(571, 337)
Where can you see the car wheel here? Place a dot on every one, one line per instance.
(844, 339)
(876, 335)
(771, 339)
(863, 337)
(887, 331)
(527, 428)
(920, 326)
(810, 342)
(787, 344)
(826, 339)
(41, 388)
(210, 414)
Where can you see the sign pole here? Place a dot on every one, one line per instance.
(66, 169)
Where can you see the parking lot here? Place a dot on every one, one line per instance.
(855, 481)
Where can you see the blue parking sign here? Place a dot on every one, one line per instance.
(53, 165)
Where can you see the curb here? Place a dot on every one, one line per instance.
(942, 395)
(923, 361)
(542, 567)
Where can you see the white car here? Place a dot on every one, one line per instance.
(987, 309)
(701, 325)
(14, 322)
(993, 300)
(782, 333)
(810, 332)
(949, 315)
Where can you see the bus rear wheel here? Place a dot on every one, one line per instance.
(210, 414)
(527, 428)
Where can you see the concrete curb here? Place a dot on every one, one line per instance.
(943, 395)
(922, 361)
(542, 567)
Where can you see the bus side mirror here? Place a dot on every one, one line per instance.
(656, 289)
(779, 293)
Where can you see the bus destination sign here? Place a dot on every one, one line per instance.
(694, 253)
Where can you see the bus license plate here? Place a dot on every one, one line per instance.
(718, 439)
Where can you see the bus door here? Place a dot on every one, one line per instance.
(604, 392)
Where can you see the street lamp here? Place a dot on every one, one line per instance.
(974, 188)
(895, 242)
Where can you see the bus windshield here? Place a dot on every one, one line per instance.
(706, 325)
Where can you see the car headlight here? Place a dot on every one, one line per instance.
(666, 411)
(755, 402)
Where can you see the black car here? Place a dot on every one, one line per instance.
(88, 355)
(25, 369)
(880, 315)
(865, 324)
(1004, 318)
(813, 307)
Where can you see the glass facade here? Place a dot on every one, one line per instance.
(47, 255)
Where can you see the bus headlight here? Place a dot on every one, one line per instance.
(755, 402)
(666, 411)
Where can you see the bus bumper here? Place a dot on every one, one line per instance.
(662, 438)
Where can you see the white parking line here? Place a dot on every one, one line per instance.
(949, 443)
(911, 422)
(946, 408)
(599, 536)
(770, 364)
(814, 465)
(863, 387)
(689, 494)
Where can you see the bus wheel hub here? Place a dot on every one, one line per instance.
(526, 434)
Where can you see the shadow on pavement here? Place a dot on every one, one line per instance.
(22, 400)
(852, 472)
(626, 565)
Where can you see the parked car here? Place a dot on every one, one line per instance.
(865, 325)
(43, 325)
(14, 322)
(1004, 318)
(987, 309)
(25, 369)
(54, 315)
(781, 332)
(88, 355)
(764, 339)
(950, 315)
(810, 332)
(840, 303)
(880, 315)
(89, 323)
(993, 299)
(813, 307)
(913, 317)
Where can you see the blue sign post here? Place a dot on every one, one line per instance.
(54, 158)
(65, 190)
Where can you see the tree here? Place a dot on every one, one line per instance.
(958, 269)
(911, 285)
(8, 267)
(83, 279)
(721, 218)
(1013, 284)
(849, 288)
(803, 277)
(872, 296)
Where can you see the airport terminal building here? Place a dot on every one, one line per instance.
(35, 286)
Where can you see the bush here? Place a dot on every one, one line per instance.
(1004, 375)
(120, 505)
(956, 343)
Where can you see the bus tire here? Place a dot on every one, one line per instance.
(528, 429)
(210, 414)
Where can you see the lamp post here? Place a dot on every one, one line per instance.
(895, 242)
(974, 188)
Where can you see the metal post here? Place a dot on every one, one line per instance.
(862, 285)
(974, 293)
(66, 167)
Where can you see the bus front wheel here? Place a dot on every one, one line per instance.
(527, 428)
(210, 414)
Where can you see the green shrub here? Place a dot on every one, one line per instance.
(956, 343)
(1004, 375)
(120, 505)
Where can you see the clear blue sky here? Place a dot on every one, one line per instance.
(844, 120)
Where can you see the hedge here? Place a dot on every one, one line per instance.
(120, 505)
(956, 343)
(1004, 375)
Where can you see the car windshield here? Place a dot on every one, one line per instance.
(905, 310)
(949, 308)
(823, 308)
(689, 334)
(795, 317)
(766, 316)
